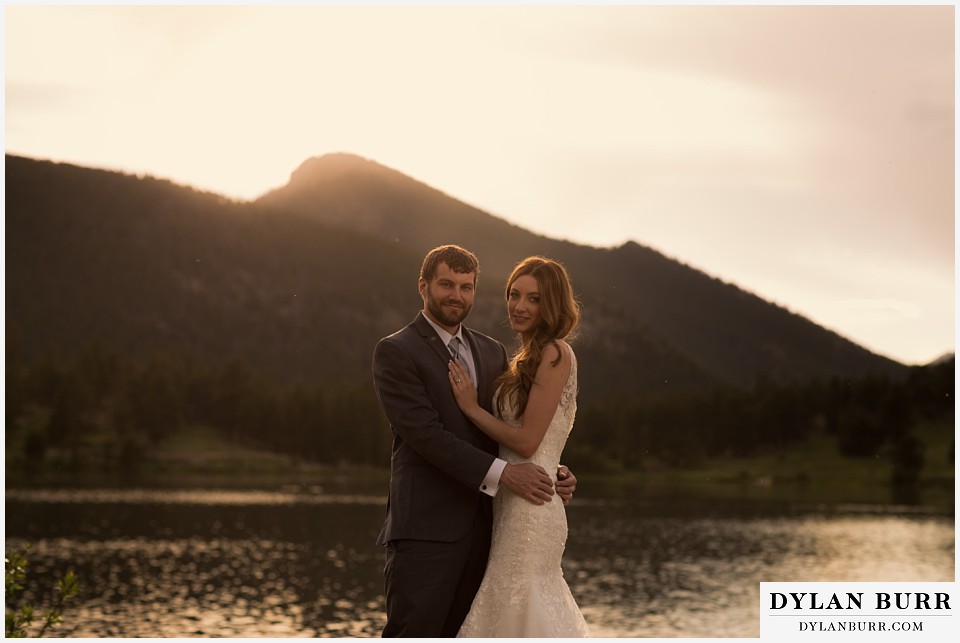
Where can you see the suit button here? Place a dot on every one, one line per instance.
(484, 487)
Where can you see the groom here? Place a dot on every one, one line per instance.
(444, 470)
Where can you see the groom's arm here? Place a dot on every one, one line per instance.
(405, 401)
(491, 482)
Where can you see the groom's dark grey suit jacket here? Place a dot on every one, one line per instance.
(439, 456)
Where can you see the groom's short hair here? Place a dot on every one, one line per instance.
(459, 259)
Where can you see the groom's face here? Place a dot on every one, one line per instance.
(448, 298)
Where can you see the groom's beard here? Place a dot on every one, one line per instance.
(448, 316)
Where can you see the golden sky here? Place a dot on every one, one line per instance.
(804, 153)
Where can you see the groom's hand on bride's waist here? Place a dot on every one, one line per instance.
(566, 484)
(529, 481)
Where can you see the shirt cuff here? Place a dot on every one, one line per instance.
(491, 483)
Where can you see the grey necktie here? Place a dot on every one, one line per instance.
(454, 348)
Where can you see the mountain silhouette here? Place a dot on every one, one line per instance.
(301, 282)
(734, 336)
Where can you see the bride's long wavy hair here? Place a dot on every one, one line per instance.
(559, 318)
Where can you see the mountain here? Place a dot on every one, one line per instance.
(302, 282)
(722, 330)
(946, 358)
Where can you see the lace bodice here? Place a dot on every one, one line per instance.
(523, 593)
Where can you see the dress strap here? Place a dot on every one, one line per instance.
(570, 388)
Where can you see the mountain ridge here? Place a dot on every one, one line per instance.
(499, 244)
(302, 281)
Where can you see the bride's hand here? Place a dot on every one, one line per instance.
(463, 389)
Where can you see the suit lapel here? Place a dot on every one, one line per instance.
(430, 336)
(478, 363)
(436, 344)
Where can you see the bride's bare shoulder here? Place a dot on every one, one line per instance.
(557, 353)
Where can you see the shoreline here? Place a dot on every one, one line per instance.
(808, 473)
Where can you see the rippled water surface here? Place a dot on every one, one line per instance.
(301, 562)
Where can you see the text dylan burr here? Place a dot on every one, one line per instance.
(854, 600)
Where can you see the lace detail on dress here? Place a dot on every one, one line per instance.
(523, 593)
(568, 398)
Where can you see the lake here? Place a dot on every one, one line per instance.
(300, 560)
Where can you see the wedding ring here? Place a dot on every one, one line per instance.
(458, 381)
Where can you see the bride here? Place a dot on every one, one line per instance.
(523, 593)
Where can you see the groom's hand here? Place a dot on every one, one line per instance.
(529, 481)
(566, 484)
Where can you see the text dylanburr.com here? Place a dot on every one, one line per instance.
(858, 611)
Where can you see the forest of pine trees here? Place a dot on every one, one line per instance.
(105, 412)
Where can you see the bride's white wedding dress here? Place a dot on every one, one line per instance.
(523, 593)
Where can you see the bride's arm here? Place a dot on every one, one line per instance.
(541, 405)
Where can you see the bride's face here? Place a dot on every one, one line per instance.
(523, 305)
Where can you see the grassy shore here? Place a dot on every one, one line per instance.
(811, 472)
(197, 457)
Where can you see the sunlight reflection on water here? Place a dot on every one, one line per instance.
(189, 496)
(187, 563)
